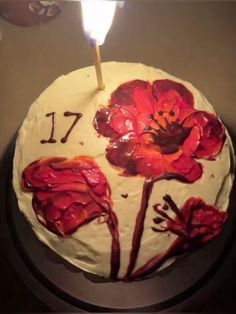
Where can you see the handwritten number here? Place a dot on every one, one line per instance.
(51, 139)
(77, 115)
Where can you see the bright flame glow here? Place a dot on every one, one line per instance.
(97, 19)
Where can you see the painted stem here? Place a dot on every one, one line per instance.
(115, 246)
(139, 226)
(155, 262)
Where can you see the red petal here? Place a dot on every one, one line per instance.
(67, 193)
(135, 93)
(93, 176)
(44, 174)
(120, 152)
(175, 97)
(64, 226)
(42, 195)
(65, 199)
(130, 107)
(80, 198)
(52, 213)
(76, 216)
(102, 123)
(93, 210)
(76, 187)
(202, 222)
(150, 166)
(96, 181)
(187, 167)
(163, 86)
(206, 220)
(212, 135)
(149, 161)
(122, 122)
(191, 143)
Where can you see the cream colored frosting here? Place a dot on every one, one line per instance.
(89, 247)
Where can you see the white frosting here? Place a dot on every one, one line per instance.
(89, 247)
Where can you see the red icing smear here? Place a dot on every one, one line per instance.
(70, 193)
(154, 129)
(195, 224)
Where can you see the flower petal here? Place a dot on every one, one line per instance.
(151, 165)
(136, 93)
(175, 98)
(212, 134)
(205, 222)
(102, 123)
(163, 86)
(67, 193)
(132, 102)
(192, 141)
(120, 153)
(199, 223)
(122, 121)
(187, 167)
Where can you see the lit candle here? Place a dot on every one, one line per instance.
(97, 19)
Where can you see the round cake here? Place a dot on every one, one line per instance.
(121, 181)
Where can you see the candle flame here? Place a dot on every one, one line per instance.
(97, 19)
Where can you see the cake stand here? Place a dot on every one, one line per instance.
(64, 288)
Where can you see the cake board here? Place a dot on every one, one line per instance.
(63, 287)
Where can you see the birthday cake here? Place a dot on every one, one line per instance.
(121, 181)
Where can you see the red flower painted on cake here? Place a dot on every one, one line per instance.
(195, 224)
(67, 193)
(154, 130)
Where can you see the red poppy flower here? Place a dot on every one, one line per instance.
(154, 130)
(67, 193)
(195, 224)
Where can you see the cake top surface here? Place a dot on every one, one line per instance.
(148, 140)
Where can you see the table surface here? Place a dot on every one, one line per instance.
(193, 40)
